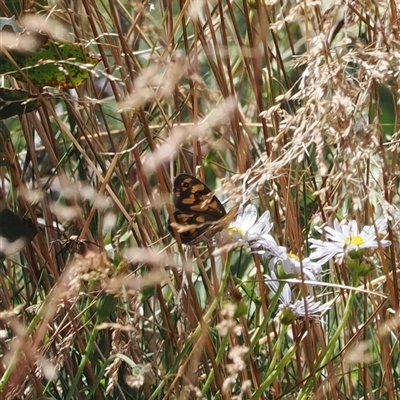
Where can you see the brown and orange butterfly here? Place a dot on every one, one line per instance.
(200, 215)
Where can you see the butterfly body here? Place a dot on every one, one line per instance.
(200, 215)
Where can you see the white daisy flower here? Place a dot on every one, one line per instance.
(272, 282)
(290, 265)
(247, 227)
(291, 310)
(346, 239)
(266, 246)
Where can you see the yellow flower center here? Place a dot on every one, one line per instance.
(356, 240)
(234, 230)
(293, 256)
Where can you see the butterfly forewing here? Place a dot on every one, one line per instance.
(192, 195)
(200, 214)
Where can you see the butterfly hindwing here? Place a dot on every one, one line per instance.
(192, 226)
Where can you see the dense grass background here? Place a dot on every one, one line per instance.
(291, 106)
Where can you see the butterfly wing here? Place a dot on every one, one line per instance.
(198, 209)
(195, 228)
(191, 227)
(15, 232)
(193, 196)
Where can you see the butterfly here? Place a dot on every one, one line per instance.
(199, 215)
(15, 232)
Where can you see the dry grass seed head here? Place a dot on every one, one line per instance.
(332, 114)
(47, 25)
(228, 323)
(168, 149)
(118, 346)
(17, 42)
(89, 266)
(236, 354)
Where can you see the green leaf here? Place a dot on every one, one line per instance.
(105, 306)
(387, 110)
(63, 65)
